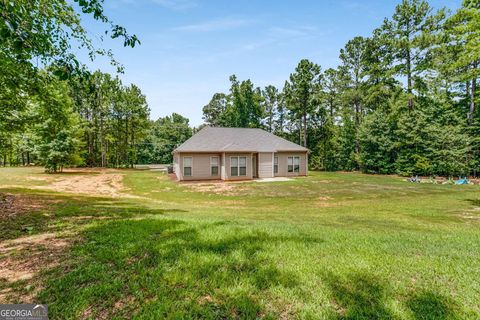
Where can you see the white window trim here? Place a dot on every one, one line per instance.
(273, 161)
(238, 166)
(218, 165)
(191, 166)
(293, 164)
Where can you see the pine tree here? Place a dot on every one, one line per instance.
(376, 138)
(301, 93)
(56, 128)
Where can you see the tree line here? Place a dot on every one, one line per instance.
(54, 111)
(403, 100)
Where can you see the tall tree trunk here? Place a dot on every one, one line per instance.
(472, 99)
(331, 109)
(133, 157)
(103, 146)
(11, 151)
(28, 158)
(357, 125)
(467, 88)
(409, 79)
(126, 159)
(280, 124)
(305, 129)
(102, 151)
(300, 131)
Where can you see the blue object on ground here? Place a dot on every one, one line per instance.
(414, 179)
(462, 181)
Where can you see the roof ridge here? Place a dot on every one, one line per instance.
(235, 138)
(211, 127)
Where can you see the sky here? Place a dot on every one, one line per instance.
(189, 48)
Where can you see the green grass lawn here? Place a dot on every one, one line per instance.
(327, 246)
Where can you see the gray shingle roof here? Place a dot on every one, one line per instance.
(213, 139)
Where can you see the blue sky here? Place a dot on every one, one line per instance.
(191, 47)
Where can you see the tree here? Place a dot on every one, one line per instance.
(114, 119)
(241, 108)
(301, 93)
(346, 157)
(48, 30)
(41, 39)
(353, 58)
(377, 142)
(271, 99)
(361, 114)
(333, 87)
(322, 139)
(432, 140)
(461, 35)
(280, 115)
(57, 128)
(409, 34)
(214, 111)
(379, 83)
(164, 136)
(136, 120)
(245, 107)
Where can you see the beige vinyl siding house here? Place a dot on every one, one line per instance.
(198, 166)
(283, 161)
(238, 154)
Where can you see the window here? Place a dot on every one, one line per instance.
(238, 166)
(242, 163)
(275, 164)
(293, 164)
(214, 166)
(187, 166)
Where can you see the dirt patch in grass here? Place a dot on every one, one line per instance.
(321, 181)
(40, 178)
(206, 300)
(13, 205)
(102, 183)
(222, 188)
(324, 201)
(121, 308)
(472, 214)
(21, 261)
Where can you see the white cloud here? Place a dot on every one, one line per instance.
(295, 32)
(216, 25)
(359, 8)
(177, 4)
(279, 35)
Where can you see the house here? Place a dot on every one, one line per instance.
(238, 154)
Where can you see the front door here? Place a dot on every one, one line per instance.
(254, 165)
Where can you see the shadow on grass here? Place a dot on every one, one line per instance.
(134, 262)
(364, 296)
(427, 305)
(474, 202)
(47, 208)
(51, 216)
(359, 296)
(164, 268)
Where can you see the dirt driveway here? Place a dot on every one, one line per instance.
(96, 182)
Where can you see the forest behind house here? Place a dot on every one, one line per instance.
(403, 100)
